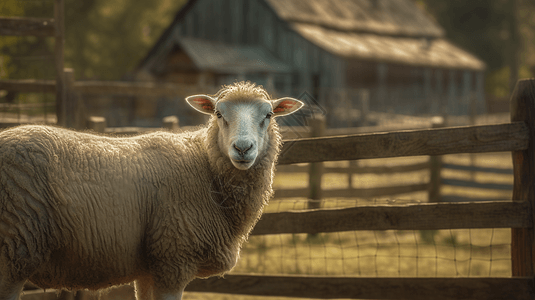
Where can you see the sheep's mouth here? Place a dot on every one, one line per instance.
(242, 164)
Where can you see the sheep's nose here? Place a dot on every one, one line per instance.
(243, 146)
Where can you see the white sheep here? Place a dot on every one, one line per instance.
(81, 211)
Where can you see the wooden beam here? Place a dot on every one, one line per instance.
(478, 169)
(380, 169)
(478, 185)
(26, 26)
(28, 85)
(146, 89)
(352, 192)
(469, 139)
(358, 169)
(502, 214)
(291, 193)
(316, 287)
(315, 172)
(523, 240)
(59, 38)
(375, 192)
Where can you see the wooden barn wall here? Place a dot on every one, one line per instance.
(254, 22)
(418, 90)
(404, 89)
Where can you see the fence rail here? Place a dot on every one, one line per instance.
(27, 26)
(518, 214)
(352, 192)
(468, 139)
(317, 287)
(517, 136)
(504, 214)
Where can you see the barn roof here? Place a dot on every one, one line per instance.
(394, 31)
(421, 51)
(231, 59)
(383, 17)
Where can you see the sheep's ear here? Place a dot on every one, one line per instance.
(202, 103)
(285, 106)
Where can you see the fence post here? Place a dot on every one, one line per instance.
(435, 163)
(59, 40)
(97, 124)
(523, 239)
(317, 126)
(74, 111)
(170, 122)
(364, 106)
(353, 164)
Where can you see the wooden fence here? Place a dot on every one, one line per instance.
(17, 26)
(434, 166)
(517, 136)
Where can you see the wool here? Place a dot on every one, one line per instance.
(84, 211)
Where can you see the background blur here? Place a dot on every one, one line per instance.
(364, 65)
(119, 40)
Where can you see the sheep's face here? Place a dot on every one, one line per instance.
(243, 124)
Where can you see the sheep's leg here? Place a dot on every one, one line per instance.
(169, 296)
(170, 281)
(10, 290)
(144, 289)
(173, 293)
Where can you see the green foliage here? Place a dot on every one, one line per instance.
(104, 39)
(497, 82)
(488, 30)
(479, 26)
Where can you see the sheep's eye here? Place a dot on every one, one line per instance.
(218, 114)
(269, 115)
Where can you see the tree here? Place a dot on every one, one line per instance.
(104, 39)
(493, 30)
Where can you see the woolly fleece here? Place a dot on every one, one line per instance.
(82, 211)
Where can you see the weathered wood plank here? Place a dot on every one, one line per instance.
(503, 214)
(375, 192)
(291, 193)
(472, 139)
(380, 169)
(478, 169)
(146, 89)
(28, 85)
(317, 287)
(315, 173)
(304, 132)
(478, 185)
(435, 169)
(26, 26)
(349, 193)
(59, 43)
(523, 240)
(454, 198)
(358, 169)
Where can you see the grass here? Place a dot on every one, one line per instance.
(392, 253)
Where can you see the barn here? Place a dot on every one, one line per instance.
(385, 55)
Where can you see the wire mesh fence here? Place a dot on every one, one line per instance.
(390, 253)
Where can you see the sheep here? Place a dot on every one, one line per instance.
(83, 211)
